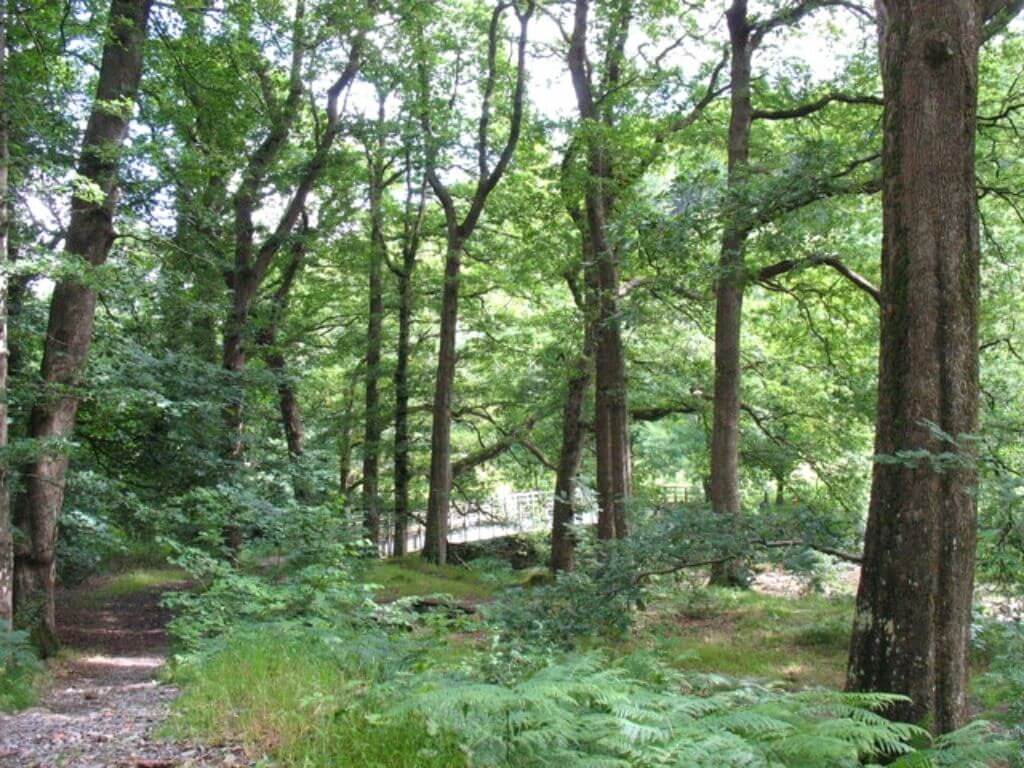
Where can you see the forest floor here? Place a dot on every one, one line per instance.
(103, 701)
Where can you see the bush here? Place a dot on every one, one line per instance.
(19, 671)
(86, 542)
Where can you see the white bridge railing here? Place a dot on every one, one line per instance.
(504, 514)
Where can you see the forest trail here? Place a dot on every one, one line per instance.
(104, 703)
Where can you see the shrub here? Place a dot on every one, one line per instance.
(19, 671)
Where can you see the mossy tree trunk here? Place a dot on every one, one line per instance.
(911, 632)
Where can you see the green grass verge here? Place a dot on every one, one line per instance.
(138, 580)
(800, 641)
(303, 703)
(412, 575)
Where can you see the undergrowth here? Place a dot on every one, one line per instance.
(303, 665)
(314, 698)
(20, 671)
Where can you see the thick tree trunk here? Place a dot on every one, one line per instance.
(725, 434)
(911, 632)
(69, 332)
(374, 334)
(435, 547)
(234, 357)
(6, 538)
(615, 465)
(401, 380)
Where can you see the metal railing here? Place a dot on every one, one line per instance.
(504, 514)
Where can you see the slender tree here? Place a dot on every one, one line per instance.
(253, 260)
(573, 429)
(415, 206)
(90, 236)
(458, 230)
(611, 412)
(740, 219)
(725, 433)
(598, 89)
(380, 178)
(6, 537)
(912, 627)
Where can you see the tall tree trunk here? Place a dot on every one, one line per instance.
(611, 408)
(72, 309)
(563, 543)
(435, 547)
(615, 465)
(373, 425)
(6, 537)
(401, 380)
(412, 225)
(457, 233)
(911, 632)
(725, 434)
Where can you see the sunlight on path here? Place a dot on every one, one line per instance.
(105, 701)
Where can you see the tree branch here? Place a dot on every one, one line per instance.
(815, 106)
(766, 274)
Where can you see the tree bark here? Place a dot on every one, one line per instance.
(6, 537)
(563, 516)
(435, 546)
(615, 464)
(611, 408)
(291, 414)
(374, 342)
(725, 434)
(404, 273)
(288, 402)
(69, 332)
(401, 382)
(911, 631)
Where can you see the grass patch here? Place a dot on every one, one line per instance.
(137, 580)
(305, 702)
(800, 641)
(412, 575)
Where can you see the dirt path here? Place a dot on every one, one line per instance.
(104, 702)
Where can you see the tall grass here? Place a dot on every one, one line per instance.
(304, 702)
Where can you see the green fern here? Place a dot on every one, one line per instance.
(584, 712)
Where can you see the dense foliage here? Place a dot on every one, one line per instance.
(374, 264)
